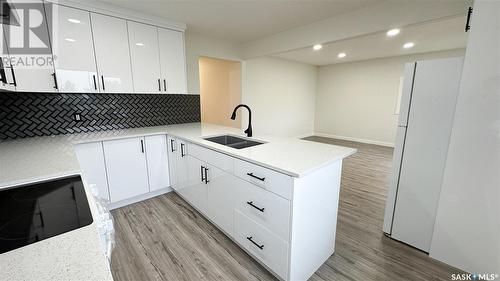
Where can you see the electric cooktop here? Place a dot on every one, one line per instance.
(38, 211)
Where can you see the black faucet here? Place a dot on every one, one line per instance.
(248, 131)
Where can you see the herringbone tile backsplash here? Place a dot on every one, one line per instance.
(39, 114)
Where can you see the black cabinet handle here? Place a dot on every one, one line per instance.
(14, 82)
(256, 177)
(206, 175)
(201, 172)
(253, 242)
(55, 81)
(142, 146)
(467, 24)
(251, 204)
(165, 84)
(102, 80)
(95, 82)
(172, 145)
(159, 84)
(182, 150)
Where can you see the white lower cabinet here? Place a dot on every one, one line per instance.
(261, 243)
(157, 160)
(172, 159)
(221, 195)
(91, 159)
(126, 168)
(195, 190)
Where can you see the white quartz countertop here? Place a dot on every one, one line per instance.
(76, 255)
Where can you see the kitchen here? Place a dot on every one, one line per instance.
(116, 130)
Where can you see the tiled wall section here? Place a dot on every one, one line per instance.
(36, 114)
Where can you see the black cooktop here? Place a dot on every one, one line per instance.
(38, 211)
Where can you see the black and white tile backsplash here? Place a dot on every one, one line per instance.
(41, 114)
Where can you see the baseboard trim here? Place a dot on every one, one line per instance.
(388, 144)
(139, 198)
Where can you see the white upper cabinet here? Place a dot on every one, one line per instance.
(73, 51)
(30, 75)
(112, 54)
(145, 57)
(172, 61)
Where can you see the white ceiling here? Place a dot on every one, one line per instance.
(428, 37)
(242, 20)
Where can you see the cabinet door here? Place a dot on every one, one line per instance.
(145, 57)
(6, 78)
(157, 159)
(73, 51)
(173, 61)
(112, 54)
(195, 190)
(91, 160)
(182, 164)
(30, 75)
(126, 167)
(172, 161)
(221, 188)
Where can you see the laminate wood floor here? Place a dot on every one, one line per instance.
(163, 238)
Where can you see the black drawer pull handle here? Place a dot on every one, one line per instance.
(467, 24)
(159, 85)
(256, 177)
(206, 175)
(253, 242)
(142, 146)
(55, 81)
(95, 82)
(251, 204)
(182, 150)
(14, 82)
(172, 145)
(102, 79)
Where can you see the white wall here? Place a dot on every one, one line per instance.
(357, 100)
(281, 94)
(467, 228)
(199, 45)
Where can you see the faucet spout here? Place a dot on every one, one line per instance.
(248, 131)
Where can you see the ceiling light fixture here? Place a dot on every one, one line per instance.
(408, 45)
(70, 39)
(74, 21)
(341, 55)
(140, 44)
(317, 47)
(393, 32)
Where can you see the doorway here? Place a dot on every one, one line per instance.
(220, 90)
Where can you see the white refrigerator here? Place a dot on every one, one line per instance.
(430, 90)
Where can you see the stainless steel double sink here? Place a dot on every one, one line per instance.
(234, 141)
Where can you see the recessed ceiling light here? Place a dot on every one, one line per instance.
(408, 45)
(393, 32)
(70, 39)
(74, 21)
(341, 55)
(139, 44)
(317, 47)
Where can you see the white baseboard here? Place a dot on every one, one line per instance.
(142, 197)
(388, 144)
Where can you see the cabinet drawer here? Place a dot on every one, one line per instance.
(209, 156)
(264, 207)
(262, 243)
(268, 179)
